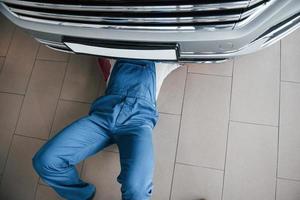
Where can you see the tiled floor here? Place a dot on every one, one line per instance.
(226, 132)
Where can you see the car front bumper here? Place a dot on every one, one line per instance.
(278, 19)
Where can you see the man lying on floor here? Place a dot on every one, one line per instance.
(126, 116)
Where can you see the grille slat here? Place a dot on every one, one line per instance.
(218, 13)
(162, 8)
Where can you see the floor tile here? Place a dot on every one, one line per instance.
(289, 145)
(18, 64)
(223, 69)
(10, 106)
(2, 59)
(172, 90)
(205, 121)
(255, 93)
(165, 137)
(19, 179)
(66, 113)
(102, 170)
(46, 53)
(82, 80)
(288, 190)
(290, 57)
(41, 99)
(45, 193)
(251, 162)
(6, 33)
(192, 182)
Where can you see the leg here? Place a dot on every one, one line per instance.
(55, 161)
(137, 164)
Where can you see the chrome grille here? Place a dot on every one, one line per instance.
(143, 14)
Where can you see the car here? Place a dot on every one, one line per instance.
(165, 30)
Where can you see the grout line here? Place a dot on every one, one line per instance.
(76, 101)
(11, 140)
(111, 151)
(167, 113)
(3, 92)
(31, 137)
(288, 179)
(178, 133)
(9, 44)
(57, 102)
(218, 75)
(253, 123)
(228, 126)
(294, 82)
(200, 166)
(26, 88)
(278, 123)
(11, 38)
(33, 67)
(49, 60)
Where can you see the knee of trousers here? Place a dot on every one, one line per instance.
(136, 191)
(46, 163)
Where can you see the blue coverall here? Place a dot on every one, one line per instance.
(125, 115)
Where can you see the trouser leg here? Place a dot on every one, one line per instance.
(137, 163)
(55, 161)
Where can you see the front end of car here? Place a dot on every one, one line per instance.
(184, 31)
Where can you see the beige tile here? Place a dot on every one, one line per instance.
(82, 80)
(19, 179)
(195, 183)
(41, 99)
(204, 121)
(288, 190)
(165, 137)
(255, 93)
(251, 162)
(6, 33)
(10, 106)
(172, 90)
(289, 138)
(290, 57)
(223, 69)
(46, 193)
(102, 170)
(46, 53)
(2, 59)
(66, 113)
(18, 64)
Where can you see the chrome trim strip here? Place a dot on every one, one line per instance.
(51, 43)
(271, 36)
(121, 27)
(160, 20)
(254, 14)
(253, 2)
(157, 54)
(178, 8)
(59, 49)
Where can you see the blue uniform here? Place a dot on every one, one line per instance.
(125, 115)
